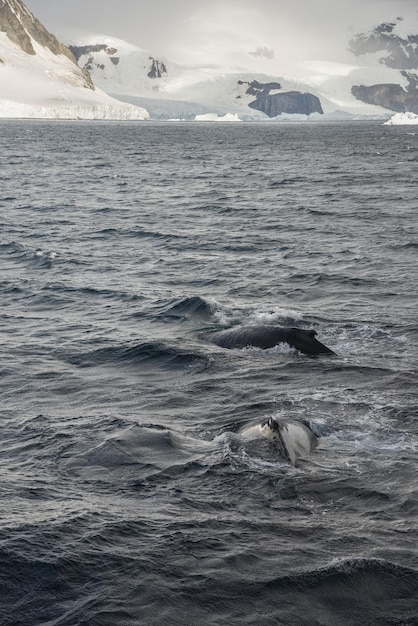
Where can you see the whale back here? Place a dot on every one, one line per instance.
(264, 336)
(261, 336)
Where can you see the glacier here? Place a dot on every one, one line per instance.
(97, 111)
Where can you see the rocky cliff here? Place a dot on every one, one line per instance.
(389, 96)
(278, 102)
(23, 28)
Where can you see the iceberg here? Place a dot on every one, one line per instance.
(402, 118)
(214, 117)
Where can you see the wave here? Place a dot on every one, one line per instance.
(141, 457)
(96, 581)
(351, 568)
(37, 257)
(371, 592)
(359, 590)
(357, 339)
(287, 181)
(185, 308)
(164, 355)
(143, 233)
(230, 314)
(11, 288)
(409, 245)
(220, 314)
(339, 280)
(93, 292)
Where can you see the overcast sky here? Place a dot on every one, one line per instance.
(178, 28)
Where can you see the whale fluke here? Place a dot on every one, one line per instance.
(294, 439)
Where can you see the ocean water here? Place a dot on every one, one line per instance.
(127, 494)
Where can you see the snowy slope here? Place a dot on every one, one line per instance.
(36, 82)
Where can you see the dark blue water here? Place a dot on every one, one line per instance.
(127, 494)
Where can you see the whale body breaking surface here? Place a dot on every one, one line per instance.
(264, 336)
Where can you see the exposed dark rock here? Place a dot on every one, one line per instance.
(259, 89)
(21, 27)
(287, 102)
(400, 53)
(79, 51)
(388, 96)
(157, 68)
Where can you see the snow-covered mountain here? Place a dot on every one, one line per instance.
(169, 90)
(39, 76)
(376, 74)
(373, 73)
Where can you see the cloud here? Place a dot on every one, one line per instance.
(140, 22)
(209, 32)
(301, 30)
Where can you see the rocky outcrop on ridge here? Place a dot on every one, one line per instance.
(257, 89)
(157, 69)
(79, 51)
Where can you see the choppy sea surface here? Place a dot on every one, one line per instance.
(127, 494)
